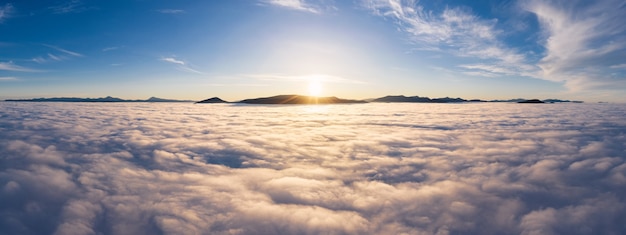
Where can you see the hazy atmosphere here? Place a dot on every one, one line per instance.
(356, 49)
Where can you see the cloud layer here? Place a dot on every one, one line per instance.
(341, 169)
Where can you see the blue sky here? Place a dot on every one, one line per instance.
(353, 49)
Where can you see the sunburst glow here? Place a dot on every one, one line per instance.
(315, 87)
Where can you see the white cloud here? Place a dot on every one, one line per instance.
(582, 41)
(70, 6)
(618, 66)
(171, 11)
(173, 60)
(456, 31)
(8, 79)
(52, 57)
(68, 52)
(5, 11)
(336, 169)
(300, 5)
(585, 42)
(110, 49)
(10, 66)
(182, 66)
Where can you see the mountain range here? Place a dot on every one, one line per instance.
(107, 99)
(295, 99)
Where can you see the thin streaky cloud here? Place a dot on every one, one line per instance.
(188, 69)
(110, 49)
(55, 57)
(5, 79)
(49, 58)
(182, 65)
(39, 60)
(299, 5)
(618, 66)
(171, 11)
(5, 11)
(73, 6)
(76, 54)
(172, 60)
(15, 68)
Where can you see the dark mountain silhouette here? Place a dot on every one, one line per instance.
(296, 99)
(403, 99)
(156, 99)
(213, 100)
(416, 99)
(299, 99)
(107, 99)
(531, 101)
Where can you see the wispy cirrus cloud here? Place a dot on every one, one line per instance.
(68, 52)
(51, 57)
(72, 6)
(10, 66)
(182, 65)
(110, 49)
(5, 11)
(173, 60)
(585, 41)
(6, 79)
(458, 32)
(299, 5)
(171, 11)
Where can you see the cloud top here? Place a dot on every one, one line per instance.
(338, 169)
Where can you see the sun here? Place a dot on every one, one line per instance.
(315, 87)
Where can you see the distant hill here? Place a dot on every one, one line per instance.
(155, 99)
(416, 99)
(213, 100)
(531, 101)
(295, 99)
(107, 99)
(299, 99)
(402, 99)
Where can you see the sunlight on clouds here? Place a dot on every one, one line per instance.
(335, 169)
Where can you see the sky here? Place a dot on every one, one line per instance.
(240, 49)
(136, 168)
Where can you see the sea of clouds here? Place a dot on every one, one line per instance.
(474, 168)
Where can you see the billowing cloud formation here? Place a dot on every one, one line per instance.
(339, 169)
